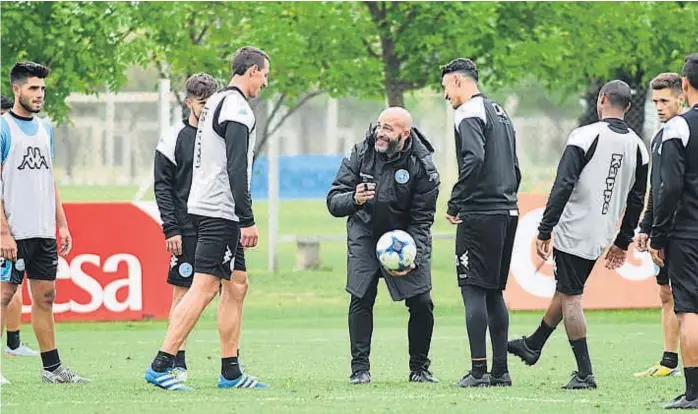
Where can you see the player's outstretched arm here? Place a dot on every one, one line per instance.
(634, 202)
(472, 135)
(423, 210)
(568, 171)
(672, 168)
(340, 198)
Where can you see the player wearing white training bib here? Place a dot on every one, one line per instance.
(221, 209)
(31, 211)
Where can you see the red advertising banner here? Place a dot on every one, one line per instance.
(117, 272)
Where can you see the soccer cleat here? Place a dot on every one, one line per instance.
(659, 370)
(502, 381)
(21, 350)
(681, 402)
(62, 375)
(469, 381)
(4, 381)
(244, 381)
(423, 375)
(180, 373)
(519, 348)
(577, 383)
(166, 380)
(360, 377)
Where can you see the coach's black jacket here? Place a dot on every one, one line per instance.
(408, 206)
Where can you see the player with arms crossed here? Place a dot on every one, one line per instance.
(668, 100)
(484, 206)
(174, 157)
(30, 209)
(14, 347)
(221, 208)
(603, 171)
(674, 235)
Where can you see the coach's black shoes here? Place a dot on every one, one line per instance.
(681, 402)
(578, 383)
(360, 377)
(519, 348)
(503, 380)
(423, 375)
(470, 381)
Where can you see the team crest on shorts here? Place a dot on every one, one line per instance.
(19, 265)
(402, 176)
(185, 269)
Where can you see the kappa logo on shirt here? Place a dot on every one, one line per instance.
(33, 160)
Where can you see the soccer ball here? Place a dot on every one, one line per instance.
(396, 250)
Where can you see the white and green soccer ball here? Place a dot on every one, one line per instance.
(396, 250)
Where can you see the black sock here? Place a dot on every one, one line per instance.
(479, 368)
(499, 367)
(180, 360)
(230, 368)
(50, 360)
(540, 336)
(13, 339)
(670, 360)
(581, 354)
(691, 383)
(162, 362)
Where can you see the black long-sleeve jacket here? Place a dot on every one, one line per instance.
(676, 211)
(407, 187)
(174, 157)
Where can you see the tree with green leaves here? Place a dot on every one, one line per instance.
(311, 46)
(87, 46)
(580, 46)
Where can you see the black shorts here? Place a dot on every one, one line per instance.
(484, 244)
(218, 249)
(38, 258)
(682, 262)
(571, 272)
(662, 274)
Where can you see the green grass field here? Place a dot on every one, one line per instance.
(295, 338)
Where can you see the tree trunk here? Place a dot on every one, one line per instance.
(394, 88)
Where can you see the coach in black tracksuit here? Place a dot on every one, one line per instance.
(388, 182)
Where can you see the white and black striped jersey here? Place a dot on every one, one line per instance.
(223, 155)
(489, 175)
(676, 206)
(602, 173)
(174, 157)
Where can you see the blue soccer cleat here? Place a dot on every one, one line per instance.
(244, 381)
(166, 380)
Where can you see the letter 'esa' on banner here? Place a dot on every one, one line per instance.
(117, 268)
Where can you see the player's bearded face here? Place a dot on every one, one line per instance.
(31, 95)
(260, 79)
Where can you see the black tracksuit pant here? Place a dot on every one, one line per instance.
(419, 328)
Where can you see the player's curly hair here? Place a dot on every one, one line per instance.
(21, 71)
(7, 103)
(201, 86)
(464, 66)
